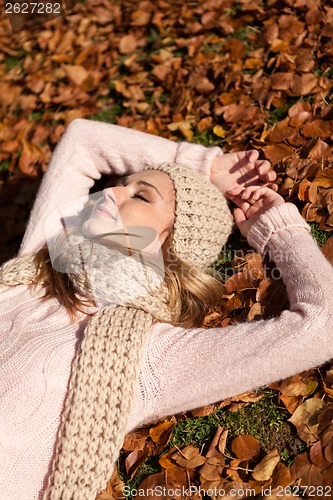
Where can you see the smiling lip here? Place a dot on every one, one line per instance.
(105, 212)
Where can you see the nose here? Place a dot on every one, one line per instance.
(114, 194)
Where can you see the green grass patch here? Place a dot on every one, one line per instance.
(264, 420)
(4, 166)
(109, 115)
(150, 466)
(36, 116)
(320, 236)
(207, 138)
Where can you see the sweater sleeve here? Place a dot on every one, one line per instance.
(194, 367)
(89, 149)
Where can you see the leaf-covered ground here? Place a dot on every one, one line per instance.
(245, 74)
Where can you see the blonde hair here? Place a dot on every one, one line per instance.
(193, 292)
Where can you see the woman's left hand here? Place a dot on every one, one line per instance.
(252, 202)
(242, 169)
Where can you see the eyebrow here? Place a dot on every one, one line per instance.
(124, 181)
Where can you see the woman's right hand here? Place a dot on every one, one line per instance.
(252, 202)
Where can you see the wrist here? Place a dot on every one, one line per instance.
(215, 168)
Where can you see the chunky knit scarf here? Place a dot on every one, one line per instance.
(104, 373)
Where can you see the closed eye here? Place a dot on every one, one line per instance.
(137, 195)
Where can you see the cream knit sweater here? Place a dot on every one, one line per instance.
(181, 368)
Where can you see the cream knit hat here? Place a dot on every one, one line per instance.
(203, 221)
(105, 371)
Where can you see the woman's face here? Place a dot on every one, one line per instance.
(138, 202)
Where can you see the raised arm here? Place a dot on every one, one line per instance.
(89, 149)
(195, 367)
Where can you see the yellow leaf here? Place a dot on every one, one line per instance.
(219, 131)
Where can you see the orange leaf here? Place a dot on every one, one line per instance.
(324, 178)
(189, 457)
(127, 44)
(281, 81)
(140, 17)
(304, 84)
(277, 152)
(204, 86)
(76, 73)
(160, 432)
(299, 113)
(245, 447)
(31, 156)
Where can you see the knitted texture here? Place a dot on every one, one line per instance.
(203, 221)
(17, 271)
(98, 403)
(104, 374)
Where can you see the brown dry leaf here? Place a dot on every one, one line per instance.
(282, 132)
(304, 84)
(291, 402)
(204, 86)
(136, 440)
(162, 432)
(253, 269)
(277, 152)
(203, 411)
(184, 126)
(30, 158)
(237, 113)
(317, 128)
(324, 178)
(327, 444)
(140, 18)
(245, 447)
(265, 468)
(127, 44)
(76, 73)
(217, 446)
(304, 421)
(189, 457)
(255, 312)
(149, 487)
(281, 476)
(237, 282)
(299, 114)
(133, 462)
(212, 470)
(294, 386)
(166, 460)
(303, 189)
(282, 81)
(310, 474)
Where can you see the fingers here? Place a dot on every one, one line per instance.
(252, 155)
(266, 174)
(244, 198)
(239, 216)
(274, 186)
(234, 196)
